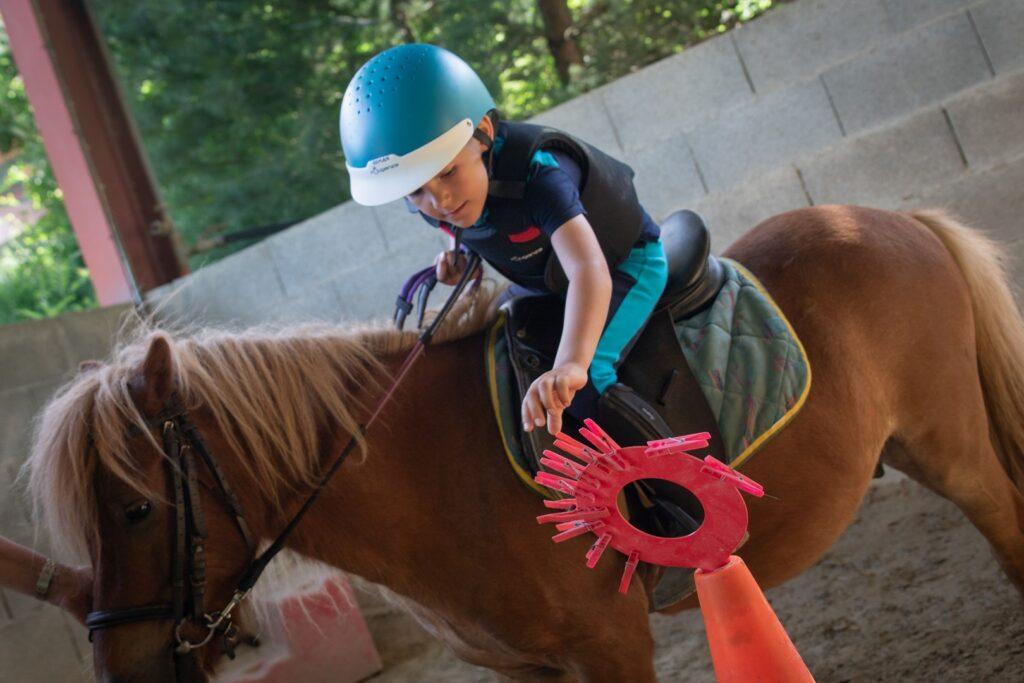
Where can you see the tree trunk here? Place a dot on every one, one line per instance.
(399, 17)
(559, 30)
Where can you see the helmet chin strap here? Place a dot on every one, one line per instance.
(482, 137)
(488, 143)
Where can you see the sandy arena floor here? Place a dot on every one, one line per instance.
(910, 593)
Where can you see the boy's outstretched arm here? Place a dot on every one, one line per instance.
(586, 310)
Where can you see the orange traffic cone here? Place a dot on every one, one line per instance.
(747, 641)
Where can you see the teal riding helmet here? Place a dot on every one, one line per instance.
(405, 115)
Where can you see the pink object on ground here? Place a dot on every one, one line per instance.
(601, 470)
(315, 633)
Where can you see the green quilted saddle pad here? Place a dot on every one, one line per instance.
(748, 362)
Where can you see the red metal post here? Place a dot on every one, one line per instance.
(115, 209)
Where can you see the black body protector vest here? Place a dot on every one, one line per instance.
(606, 192)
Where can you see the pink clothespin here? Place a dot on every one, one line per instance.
(717, 468)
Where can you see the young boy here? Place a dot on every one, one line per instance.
(549, 212)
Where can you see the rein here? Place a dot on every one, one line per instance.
(181, 440)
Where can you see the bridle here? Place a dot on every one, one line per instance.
(181, 443)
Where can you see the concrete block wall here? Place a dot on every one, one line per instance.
(888, 103)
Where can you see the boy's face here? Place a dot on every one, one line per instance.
(457, 194)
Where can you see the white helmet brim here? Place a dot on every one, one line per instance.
(392, 177)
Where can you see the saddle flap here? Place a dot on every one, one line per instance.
(535, 322)
(657, 370)
(532, 331)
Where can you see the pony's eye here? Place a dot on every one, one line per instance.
(138, 511)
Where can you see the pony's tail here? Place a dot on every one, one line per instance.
(999, 331)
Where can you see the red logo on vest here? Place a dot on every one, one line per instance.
(528, 235)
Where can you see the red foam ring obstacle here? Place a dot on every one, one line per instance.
(597, 473)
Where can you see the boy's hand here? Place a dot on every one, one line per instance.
(449, 267)
(550, 394)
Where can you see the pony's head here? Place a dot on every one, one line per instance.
(266, 405)
(113, 487)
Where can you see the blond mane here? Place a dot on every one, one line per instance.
(269, 388)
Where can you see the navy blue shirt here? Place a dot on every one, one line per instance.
(551, 197)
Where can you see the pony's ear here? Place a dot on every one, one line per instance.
(153, 384)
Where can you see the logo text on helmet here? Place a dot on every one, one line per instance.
(383, 164)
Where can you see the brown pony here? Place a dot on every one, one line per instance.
(917, 349)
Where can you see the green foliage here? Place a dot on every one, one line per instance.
(237, 102)
(42, 275)
(622, 36)
(41, 270)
